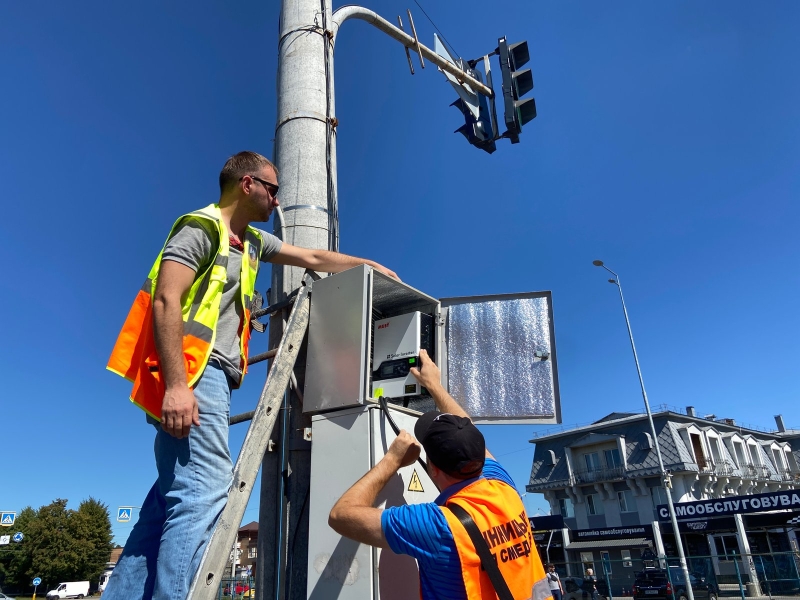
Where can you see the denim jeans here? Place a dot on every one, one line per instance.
(178, 515)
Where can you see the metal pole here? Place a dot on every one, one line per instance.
(665, 477)
(359, 12)
(305, 154)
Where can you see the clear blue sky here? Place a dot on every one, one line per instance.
(667, 144)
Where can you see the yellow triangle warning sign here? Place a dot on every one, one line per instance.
(415, 485)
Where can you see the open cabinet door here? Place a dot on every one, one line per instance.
(498, 357)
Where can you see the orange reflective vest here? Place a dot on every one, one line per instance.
(500, 516)
(134, 356)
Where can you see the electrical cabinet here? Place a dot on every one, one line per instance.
(345, 445)
(497, 353)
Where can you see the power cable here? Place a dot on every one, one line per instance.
(437, 29)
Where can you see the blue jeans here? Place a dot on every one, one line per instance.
(177, 518)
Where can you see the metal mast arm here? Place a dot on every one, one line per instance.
(359, 12)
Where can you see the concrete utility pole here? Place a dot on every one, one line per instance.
(305, 154)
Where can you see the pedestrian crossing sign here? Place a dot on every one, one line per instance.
(124, 514)
(7, 518)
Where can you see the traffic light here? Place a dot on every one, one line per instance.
(516, 83)
(478, 130)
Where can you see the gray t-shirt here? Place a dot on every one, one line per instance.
(193, 245)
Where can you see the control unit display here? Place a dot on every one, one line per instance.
(396, 345)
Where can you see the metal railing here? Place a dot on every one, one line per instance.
(771, 576)
(596, 475)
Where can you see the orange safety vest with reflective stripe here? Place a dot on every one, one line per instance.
(498, 512)
(134, 356)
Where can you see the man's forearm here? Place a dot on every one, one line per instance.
(365, 491)
(335, 262)
(168, 334)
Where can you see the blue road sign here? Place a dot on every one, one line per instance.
(7, 518)
(18, 536)
(37, 581)
(124, 514)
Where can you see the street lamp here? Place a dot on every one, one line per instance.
(664, 475)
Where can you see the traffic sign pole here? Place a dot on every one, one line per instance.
(36, 582)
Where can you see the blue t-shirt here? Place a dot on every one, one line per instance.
(421, 531)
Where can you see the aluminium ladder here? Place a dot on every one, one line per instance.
(205, 585)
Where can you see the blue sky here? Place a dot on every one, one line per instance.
(666, 144)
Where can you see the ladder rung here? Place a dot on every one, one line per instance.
(275, 307)
(262, 357)
(241, 418)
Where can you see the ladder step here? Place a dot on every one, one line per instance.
(261, 357)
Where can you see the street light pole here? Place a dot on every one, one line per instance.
(664, 475)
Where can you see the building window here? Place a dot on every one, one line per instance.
(659, 496)
(727, 546)
(778, 460)
(565, 508)
(252, 552)
(592, 461)
(715, 455)
(594, 506)
(737, 447)
(626, 501)
(626, 558)
(612, 458)
(754, 455)
(587, 558)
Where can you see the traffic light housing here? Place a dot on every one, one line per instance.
(516, 83)
(478, 130)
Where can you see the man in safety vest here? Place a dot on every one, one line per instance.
(184, 346)
(468, 478)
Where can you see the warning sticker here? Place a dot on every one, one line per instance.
(415, 485)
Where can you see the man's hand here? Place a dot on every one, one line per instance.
(428, 375)
(385, 271)
(179, 411)
(404, 449)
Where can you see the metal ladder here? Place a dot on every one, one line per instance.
(205, 585)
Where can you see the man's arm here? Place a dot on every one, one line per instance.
(179, 406)
(324, 261)
(430, 377)
(354, 515)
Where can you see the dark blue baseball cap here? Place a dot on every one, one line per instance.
(452, 443)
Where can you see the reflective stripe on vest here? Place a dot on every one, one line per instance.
(498, 512)
(134, 356)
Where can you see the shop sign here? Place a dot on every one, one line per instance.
(706, 525)
(611, 533)
(732, 505)
(547, 522)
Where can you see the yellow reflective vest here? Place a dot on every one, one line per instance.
(134, 356)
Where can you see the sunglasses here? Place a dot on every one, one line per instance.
(270, 187)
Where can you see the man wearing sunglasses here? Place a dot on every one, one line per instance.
(184, 345)
(471, 482)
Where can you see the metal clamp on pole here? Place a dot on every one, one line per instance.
(416, 39)
(408, 54)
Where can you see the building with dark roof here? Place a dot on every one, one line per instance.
(604, 480)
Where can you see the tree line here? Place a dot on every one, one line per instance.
(59, 544)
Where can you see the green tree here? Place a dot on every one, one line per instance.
(61, 544)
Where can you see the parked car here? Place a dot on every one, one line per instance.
(577, 588)
(656, 583)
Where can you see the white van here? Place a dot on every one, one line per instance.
(104, 578)
(70, 589)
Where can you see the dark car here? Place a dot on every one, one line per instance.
(655, 583)
(577, 588)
